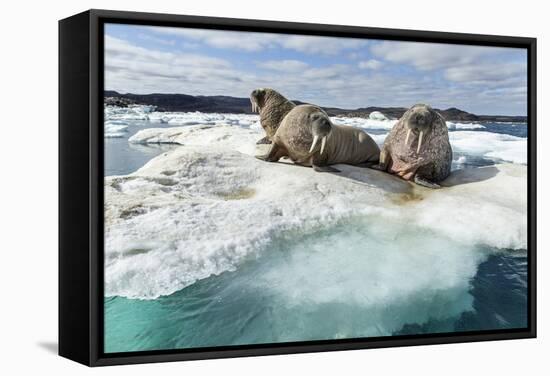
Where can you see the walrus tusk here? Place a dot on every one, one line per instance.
(315, 139)
(419, 142)
(407, 138)
(323, 142)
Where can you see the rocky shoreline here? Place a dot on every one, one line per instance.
(226, 104)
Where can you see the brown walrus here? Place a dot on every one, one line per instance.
(418, 148)
(272, 107)
(301, 130)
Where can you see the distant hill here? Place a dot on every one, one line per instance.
(226, 104)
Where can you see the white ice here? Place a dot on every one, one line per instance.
(453, 126)
(208, 206)
(134, 112)
(501, 147)
(194, 212)
(238, 131)
(377, 115)
(115, 128)
(222, 136)
(200, 118)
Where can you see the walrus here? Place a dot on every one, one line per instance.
(272, 108)
(418, 148)
(308, 137)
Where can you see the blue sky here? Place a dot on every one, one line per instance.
(328, 71)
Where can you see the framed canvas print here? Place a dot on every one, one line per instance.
(236, 187)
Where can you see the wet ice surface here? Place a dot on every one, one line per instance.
(207, 246)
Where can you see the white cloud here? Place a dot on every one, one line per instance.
(220, 39)
(459, 63)
(284, 65)
(121, 51)
(370, 64)
(253, 42)
(486, 72)
(162, 41)
(319, 45)
(430, 56)
(130, 68)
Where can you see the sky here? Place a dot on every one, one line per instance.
(328, 71)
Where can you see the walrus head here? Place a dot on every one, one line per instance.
(320, 129)
(419, 121)
(259, 98)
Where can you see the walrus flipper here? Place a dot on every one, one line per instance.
(425, 183)
(263, 141)
(374, 165)
(383, 161)
(325, 169)
(275, 153)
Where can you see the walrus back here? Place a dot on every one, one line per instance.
(273, 112)
(294, 133)
(350, 145)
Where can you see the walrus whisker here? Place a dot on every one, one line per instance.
(323, 142)
(315, 139)
(407, 138)
(419, 142)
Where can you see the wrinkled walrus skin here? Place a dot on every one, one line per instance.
(272, 107)
(304, 126)
(418, 148)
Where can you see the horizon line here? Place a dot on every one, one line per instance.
(335, 107)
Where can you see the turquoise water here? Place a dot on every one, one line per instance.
(353, 280)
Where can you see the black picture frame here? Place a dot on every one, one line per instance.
(81, 186)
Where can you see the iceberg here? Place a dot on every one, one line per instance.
(377, 115)
(115, 128)
(201, 118)
(501, 147)
(215, 137)
(460, 126)
(366, 124)
(135, 112)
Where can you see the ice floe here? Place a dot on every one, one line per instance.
(208, 206)
(115, 128)
(454, 126)
(201, 118)
(377, 115)
(492, 145)
(219, 133)
(363, 123)
(134, 112)
(212, 136)
(197, 211)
